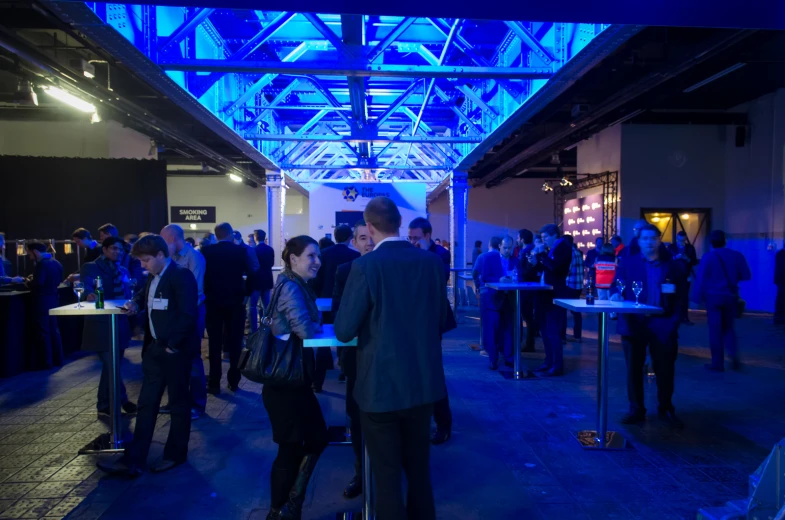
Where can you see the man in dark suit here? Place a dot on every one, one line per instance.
(634, 249)
(169, 304)
(399, 366)
(92, 249)
(683, 251)
(264, 279)
(47, 275)
(323, 285)
(527, 272)
(553, 258)
(224, 291)
(660, 278)
(347, 357)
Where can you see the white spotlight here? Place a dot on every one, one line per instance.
(69, 99)
(235, 178)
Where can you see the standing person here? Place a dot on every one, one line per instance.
(399, 368)
(605, 271)
(527, 272)
(477, 251)
(419, 235)
(658, 333)
(779, 281)
(323, 286)
(618, 245)
(98, 329)
(224, 291)
(110, 230)
(46, 277)
(5, 264)
(553, 258)
(717, 285)
(264, 280)
(168, 302)
(574, 290)
(92, 249)
(296, 418)
(592, 255)
(633, 249)
(363, 243)
(683, 251)
(186, 256)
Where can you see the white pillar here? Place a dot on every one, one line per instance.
(276, 202)
(459, 204)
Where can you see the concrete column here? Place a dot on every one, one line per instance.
(276, 202)
(459, 204)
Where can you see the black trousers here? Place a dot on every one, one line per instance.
(323, 363)
(399, 442)
(225, 324)
(49, 345)
(663, 359)
(527, 313)
(353, 411)
(162, 370)
(442, 415)
(577, 317)
(779, 306)
(551, 318)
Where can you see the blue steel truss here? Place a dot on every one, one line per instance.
(349, 97)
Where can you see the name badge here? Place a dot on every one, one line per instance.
(668, 288)
(160, 304)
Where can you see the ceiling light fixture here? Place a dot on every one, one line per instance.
(235, 178)
(70, 99)
(546, 187)
(565, 182)
(686, 216)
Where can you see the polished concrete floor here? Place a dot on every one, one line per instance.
(512, 454)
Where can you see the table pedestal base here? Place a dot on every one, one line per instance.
(339, 436)
(351, 515)
(102, 444)
(526, 375)
(613, 441)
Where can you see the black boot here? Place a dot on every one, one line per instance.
(274, 514)
(292, 510)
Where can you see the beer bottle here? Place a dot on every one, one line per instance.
(590, 290)
(99, 293)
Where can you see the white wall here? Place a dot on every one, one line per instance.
(327, 199)
(296, 219)
(502, 210)
(104, 140)
(601, 152)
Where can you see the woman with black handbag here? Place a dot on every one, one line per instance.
(296, 418)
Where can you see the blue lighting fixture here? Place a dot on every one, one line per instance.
(329, 98)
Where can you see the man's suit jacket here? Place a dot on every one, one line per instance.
(488, 269)
(664, 325)
(266, 257)
(444, 255)
(395, 304)
(348, 359)
(175, 327)
(223, 277)
(331, 257)
(47, 275)
(527, 272)
(556, 266)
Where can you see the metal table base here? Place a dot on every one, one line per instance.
(367, 512)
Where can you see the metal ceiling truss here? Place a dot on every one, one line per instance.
(332, 97)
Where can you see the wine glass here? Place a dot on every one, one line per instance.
(78, 290)
(637, 287)
(621, 285)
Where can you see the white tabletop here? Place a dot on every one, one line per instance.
(324, 304)
(327, 338)
(460, 269)
(601, 306)
(13, 293)
(465, 277)
(523, 286)
(88, 309)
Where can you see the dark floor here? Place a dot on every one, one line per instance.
(512, 455)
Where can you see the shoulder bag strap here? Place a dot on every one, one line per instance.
(734, 289)
(273, 301)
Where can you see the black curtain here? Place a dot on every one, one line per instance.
(50, 197)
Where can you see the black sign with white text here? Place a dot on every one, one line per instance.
(192, 214)
(583, 220)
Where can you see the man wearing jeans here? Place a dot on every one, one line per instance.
(186, 256)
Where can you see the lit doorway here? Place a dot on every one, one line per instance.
(695, 222)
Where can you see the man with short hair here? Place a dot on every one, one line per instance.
(660, 278)
(347, 357)
(683, 251)
(527, 272)
(593, 253)
(110, 230)
(633, 249)
(82, 239)
(399, 366)
(224, 291)
(43, 283)
(717, 285)
(97, 332)
(420, 235)
(168, 303)
(489, 268)
(186, 256)
(618, 245)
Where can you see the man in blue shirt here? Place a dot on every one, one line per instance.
(717, 285)
(489, 269)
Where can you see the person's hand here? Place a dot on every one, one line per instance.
(71, 278)
(17, 279)
(91, 297)
(422, 244)
(169, 351)
(617, 298)
(129, 307)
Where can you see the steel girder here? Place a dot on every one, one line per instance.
(414, 94)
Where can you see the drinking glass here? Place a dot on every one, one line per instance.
(78, 290)
(621, 285)
(637, 287)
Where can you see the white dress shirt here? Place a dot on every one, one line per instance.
(389, 239)
(151, 296)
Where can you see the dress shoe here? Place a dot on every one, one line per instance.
(543, 368)
(195, 414)
(164, 465)
(440, 437)
(712, 368)
(234, 386)
(213, 389)
(354, 489)
(119, 467)
(669, 418)
(633, 418)
(553, 372)
(341, 378)
(164, 409)
(509, 364)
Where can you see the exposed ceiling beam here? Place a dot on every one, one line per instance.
(395, 105)
(187, 27)
(388, 40)
(348, 68)
(442, 58)
(287, 166)
(328, 33)
(351, 139)
(530, 41)
(353, 30)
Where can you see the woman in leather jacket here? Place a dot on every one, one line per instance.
(295, 415)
